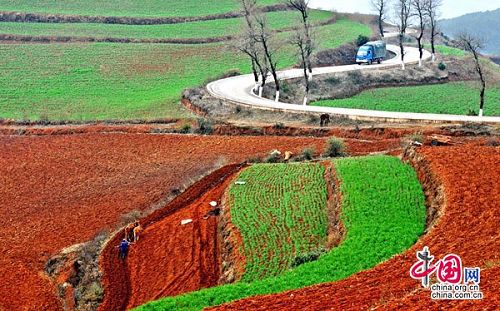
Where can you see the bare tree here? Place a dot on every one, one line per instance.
(474, 45)
(381, 7)
(403, 13)
(433, 14)
(249, 46)
(264, 37)
(302, 6)
(299, 39)
(420, 7)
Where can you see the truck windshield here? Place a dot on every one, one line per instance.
(363, 51)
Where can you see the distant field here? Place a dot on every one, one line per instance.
(281, 214)
(450, 98)
(131, 8)
(447, 50)
(123, 81)
(202, 29)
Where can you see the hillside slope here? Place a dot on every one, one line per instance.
(483, 24)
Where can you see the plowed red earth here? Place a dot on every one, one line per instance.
(469, 227)
(170, 258)
(56, 191)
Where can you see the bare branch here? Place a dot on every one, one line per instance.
(381, 6)
(474, 45)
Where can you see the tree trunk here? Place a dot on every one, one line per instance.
(402, 50)
(380, 26)
(481, 105)
(420, 50)
(433, 47)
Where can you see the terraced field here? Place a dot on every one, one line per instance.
(123, 81)
(281, 213)
(143, 8)
(451, 98)
(383, 213)
(198, 29)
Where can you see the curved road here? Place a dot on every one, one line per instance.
(239, 90)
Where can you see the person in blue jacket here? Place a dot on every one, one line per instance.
(123, 247)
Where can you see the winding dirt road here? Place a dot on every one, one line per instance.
(239, 90)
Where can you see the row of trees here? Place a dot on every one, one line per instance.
(425, 14)
(259, 44)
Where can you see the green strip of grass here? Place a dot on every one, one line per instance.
(383, 212)
(123, 81)
(130, 8)
(202, 29)
(446, 50)
(281, 214)
(451, 98)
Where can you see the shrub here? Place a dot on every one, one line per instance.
(185, 129)
(204, 126)
(472, 112)
(273, 157)
(335, 147)
(362, 40)
(279, 126)
(307, 153)
(307, 257)
(442, 66)
(416, 137)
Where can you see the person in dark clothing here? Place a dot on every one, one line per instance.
(123, 247)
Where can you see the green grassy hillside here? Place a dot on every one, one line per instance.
(131, 8)
(450, 98)
(383, 213)
(123, 81)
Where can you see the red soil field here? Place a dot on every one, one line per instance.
(60, 190)
(170, 258)
(468, 226)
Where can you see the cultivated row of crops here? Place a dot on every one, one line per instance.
(383, 212)
(281, 213)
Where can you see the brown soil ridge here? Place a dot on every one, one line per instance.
(233, 260)
(169, 259)
(336, 229)
(468, 227)
(22, 17)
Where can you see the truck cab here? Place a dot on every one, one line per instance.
(371, 52)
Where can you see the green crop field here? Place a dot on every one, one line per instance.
(201, 29)
(131, 8)
(281, 214)
(447, 50)
(99, 81)
(383, 213)
(451, 98)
